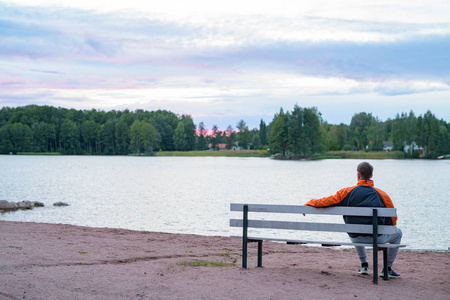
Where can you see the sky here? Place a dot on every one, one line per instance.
(225, 61)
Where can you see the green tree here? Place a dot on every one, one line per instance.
(180, 138)
(428, 134)
(165, 122)
(341, 135)
(135, 133)
(402, 131)
(296, 131)
(201, 137)
(330, 137)
(43, 137)
(214, 138)
(108, 137)
(376, 135)
(278, 138)
(21, 137)
(90, 132)
(337, 137)
(242, 135)
(69, 137)
(144, 138)
(410, 127)
(6, 145)
(263, 132)
(127, 117)
(230, 137)
(5, 115)
(359, 127)
(304, 131)
(189, 130)
(256, 141)
(397, 134)
(313, 138)
(444, 139)
(150, 138)
(122, 132)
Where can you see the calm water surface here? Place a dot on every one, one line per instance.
(192, 194)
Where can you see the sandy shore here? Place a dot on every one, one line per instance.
(52, 261)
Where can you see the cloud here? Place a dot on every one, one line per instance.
(46, 72)
(208, 63)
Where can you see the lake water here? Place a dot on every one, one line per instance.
(192, 194)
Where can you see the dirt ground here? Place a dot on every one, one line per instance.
(55, 261)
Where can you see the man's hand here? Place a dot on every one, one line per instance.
(305, 205)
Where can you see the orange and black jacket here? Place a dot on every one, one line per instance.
(364, 194)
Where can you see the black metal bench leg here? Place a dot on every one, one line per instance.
(375, 246)
(244, 237)
(244, 254)
(375, 266)
(385, 264)
(260, 253)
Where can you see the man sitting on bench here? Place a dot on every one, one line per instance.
(364, 194)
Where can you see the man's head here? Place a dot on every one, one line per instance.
(365, 171)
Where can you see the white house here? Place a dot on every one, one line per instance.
(413, 147)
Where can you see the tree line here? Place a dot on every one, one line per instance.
(300, 132)
(303, 132)
(49, 129)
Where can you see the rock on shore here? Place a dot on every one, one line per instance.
(12, 206)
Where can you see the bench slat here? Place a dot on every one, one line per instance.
(321, 242)
(301, 209)
(331, 227)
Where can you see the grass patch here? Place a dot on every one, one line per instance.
(82, 252)
(16, 247)
(39, 153)
(204, 263)
(227, 254)
(326, 156)
(225, 153)
(361, 155)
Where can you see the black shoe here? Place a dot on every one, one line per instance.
(364, 271)
(391, 274)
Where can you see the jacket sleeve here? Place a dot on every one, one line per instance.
(330, 200)
(387, 202)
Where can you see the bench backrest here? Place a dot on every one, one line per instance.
(374, 212)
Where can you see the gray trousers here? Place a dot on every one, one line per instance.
(384, 238)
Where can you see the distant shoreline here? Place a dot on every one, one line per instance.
(257, 153)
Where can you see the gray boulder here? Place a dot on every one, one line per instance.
(29, 204)
(24, 205)
(60, 204)
(11, 206)
(7, 206)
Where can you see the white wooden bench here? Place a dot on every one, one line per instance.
(263, 223)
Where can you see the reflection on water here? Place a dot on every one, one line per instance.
(192, 194)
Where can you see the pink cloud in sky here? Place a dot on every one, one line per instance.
(9, 80)
(87, 82)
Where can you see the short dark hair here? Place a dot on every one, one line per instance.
(365, 169)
